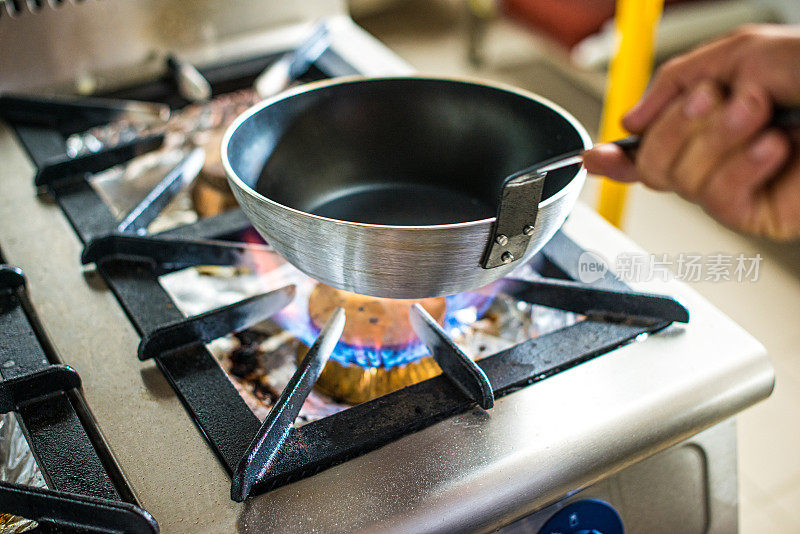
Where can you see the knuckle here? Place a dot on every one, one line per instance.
(689, 179)
(726, 204)
(747, 33)
(750, 29)
(670, 69)
(669, 73)
(780, 224)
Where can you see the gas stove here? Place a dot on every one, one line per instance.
(605, 406)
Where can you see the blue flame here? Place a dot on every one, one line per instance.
(462, 310)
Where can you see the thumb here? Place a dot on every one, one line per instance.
(609, 160)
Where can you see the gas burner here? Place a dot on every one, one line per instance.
(203, 191)
(354, 384)
(131, 264)
(372, 322)
(371, 359)
(375, 356)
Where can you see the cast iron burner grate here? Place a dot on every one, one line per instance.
(87, 491)
(261, 457)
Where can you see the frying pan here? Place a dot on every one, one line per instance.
(404, 187)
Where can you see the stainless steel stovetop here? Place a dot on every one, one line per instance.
(646, 428)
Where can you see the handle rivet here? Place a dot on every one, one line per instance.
(507, 257)
(528, 229)
(501, 240)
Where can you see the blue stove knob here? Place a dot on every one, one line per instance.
(589, 516)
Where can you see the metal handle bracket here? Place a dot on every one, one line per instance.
(516, 217)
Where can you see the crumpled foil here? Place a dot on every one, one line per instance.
(17, 464)
(123, 186)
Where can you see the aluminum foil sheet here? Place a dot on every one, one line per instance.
(122, 187)
(198, 125)
(17, 464)
(186, 124)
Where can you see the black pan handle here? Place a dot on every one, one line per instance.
(786, 117)
(781, 118)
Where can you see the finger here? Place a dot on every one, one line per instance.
(735, 193)
(609, 160)
(664, 141)
(726, 130)
(714, 61)
(777, 203)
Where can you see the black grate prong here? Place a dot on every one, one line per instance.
(457, 366)
(63, 167)
(60, 511)
(71, 114)
(162, 194)
(206, 327)
(267, 442)
(589, 300)
(168, 253)
(11, 278)
(18, 390)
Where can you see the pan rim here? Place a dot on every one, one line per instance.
(243, 187)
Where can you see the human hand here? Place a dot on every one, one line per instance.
(705, 132)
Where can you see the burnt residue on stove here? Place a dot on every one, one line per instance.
(259, 362)
(244, 358)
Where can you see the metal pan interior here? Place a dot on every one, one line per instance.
(398, 151)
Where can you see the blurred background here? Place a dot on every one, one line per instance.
(561, 50)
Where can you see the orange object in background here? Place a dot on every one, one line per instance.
(565, 21)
